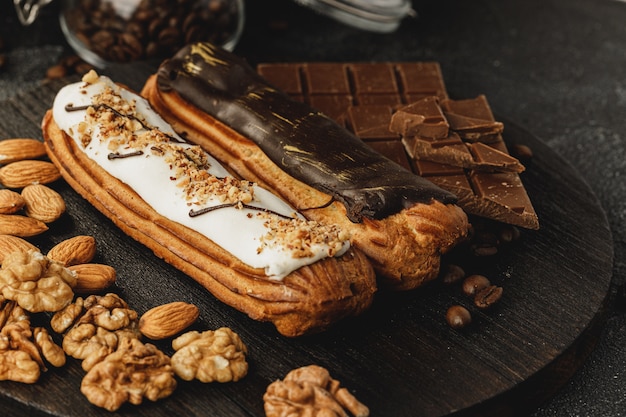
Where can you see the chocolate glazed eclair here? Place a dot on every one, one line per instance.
(402, 222)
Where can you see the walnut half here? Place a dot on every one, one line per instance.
(22, 348)
(310, 391)
(92, 327)
(133, 372)
(209, 356)
(36, 282)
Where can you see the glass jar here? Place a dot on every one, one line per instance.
(28, 10)
(116, 31)
(382, 16)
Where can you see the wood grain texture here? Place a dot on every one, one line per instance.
(400, 358)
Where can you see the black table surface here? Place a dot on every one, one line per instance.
(555, 67)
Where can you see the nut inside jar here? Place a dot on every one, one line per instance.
(118, 31)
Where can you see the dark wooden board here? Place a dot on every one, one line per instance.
(400, 358)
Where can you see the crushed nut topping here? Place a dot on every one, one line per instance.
(209, 356)
(125, 132)
(300, 235)
(310, 391)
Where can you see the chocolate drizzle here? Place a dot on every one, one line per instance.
(196, 213)
(70, 108)
(117, 155)
(304, 143)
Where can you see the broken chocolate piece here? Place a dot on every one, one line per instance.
(472, 119)
(451, 150)
(488, 158)
(495, 195)
(422, 118)
(454, 151)
(440, 142)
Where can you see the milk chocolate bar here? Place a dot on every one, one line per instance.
(333, 87)
(364, 96)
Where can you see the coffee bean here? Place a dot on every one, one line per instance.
(522, 152)
(488, 296)
(157, 27)
(3, 60)
(169, 37)
(509, 233)
(458, 317)
(82, 68)
(484, 249)
(452, 274)
(131, 45)
(473, 284)
(103, 39)
(56, 72)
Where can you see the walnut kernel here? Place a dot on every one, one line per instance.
(35, 282)
(310, 391)
(209, 356)
(133, 372)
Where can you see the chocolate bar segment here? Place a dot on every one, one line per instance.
(471, 161)
(322, 78)
(370, 122)
(333, 87)
(495, 195)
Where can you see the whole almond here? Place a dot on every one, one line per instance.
(167, 320)
(43, 203)
(76, 250)
(10, 201)
(92, 278)
(10, 244)
(21, 226)
(31, 171)
(18, 149)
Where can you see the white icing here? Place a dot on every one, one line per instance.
(236, 230)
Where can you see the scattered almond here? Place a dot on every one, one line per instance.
(22, 173)
(74, 251)
(10, 201)
(19, 149)
(21, 226)
(93, 278)
(167, 320)
(10, 244)
(43, 203)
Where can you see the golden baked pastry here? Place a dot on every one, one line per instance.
(248, 247)
(401, 221)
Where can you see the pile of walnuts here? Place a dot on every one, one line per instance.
(105, 334)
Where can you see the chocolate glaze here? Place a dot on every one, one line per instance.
(305, 143)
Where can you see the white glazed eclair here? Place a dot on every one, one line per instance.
(247, 246)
